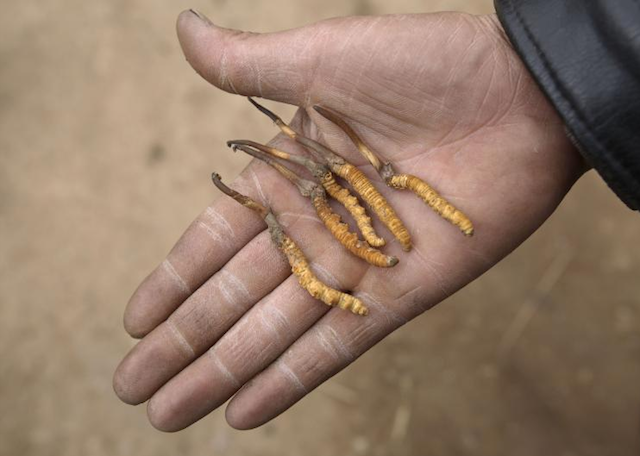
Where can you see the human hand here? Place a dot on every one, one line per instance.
(442, 96)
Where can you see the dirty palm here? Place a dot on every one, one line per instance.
(441, 96)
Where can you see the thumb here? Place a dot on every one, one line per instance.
(278, 66)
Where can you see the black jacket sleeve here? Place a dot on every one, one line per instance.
(585, 55)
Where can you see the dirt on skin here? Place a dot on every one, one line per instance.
(107, 139)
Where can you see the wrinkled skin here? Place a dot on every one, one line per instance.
(444, 97)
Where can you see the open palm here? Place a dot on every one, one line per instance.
(443, 97)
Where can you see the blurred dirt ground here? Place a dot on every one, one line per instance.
(107, 139)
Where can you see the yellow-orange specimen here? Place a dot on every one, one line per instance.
(351, 204)
(297, 260)
(359, 182)
(402, 181)
(331, 220)
(328, 181)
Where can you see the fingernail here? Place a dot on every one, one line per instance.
(201, 16)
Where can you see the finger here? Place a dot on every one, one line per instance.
(278, 66)
(219, 373)
(256, 340)
(211, 240)
(331, 345)
(201, 320)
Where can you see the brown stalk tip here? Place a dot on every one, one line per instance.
(264, 110)
(239, 144)
(236, 143)
(240, 198)
(253, 152)
(217, 180)
(215, 177)
(334, 117)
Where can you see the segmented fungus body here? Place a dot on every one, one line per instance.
(318, 198)
(298, 262)
(351, 204)
(308, 280)
(359, 182)
(403, 181)
(327, 180)
(433, 199)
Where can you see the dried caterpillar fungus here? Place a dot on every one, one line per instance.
(327, 180)
(433, 199)
(403, 181)
(331, 220)
(298, 262)
(359, 182)
(351, 204)
(316, 288)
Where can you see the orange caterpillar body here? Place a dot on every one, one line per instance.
(298, 262)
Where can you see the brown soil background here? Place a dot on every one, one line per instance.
(107, 139)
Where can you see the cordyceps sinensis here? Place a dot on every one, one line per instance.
(331, 220)
(402, 181)
(299, 264)
(356, 178)
(328, 181)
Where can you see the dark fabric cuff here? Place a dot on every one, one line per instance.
(585, 56)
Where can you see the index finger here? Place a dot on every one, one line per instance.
(211, 240)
